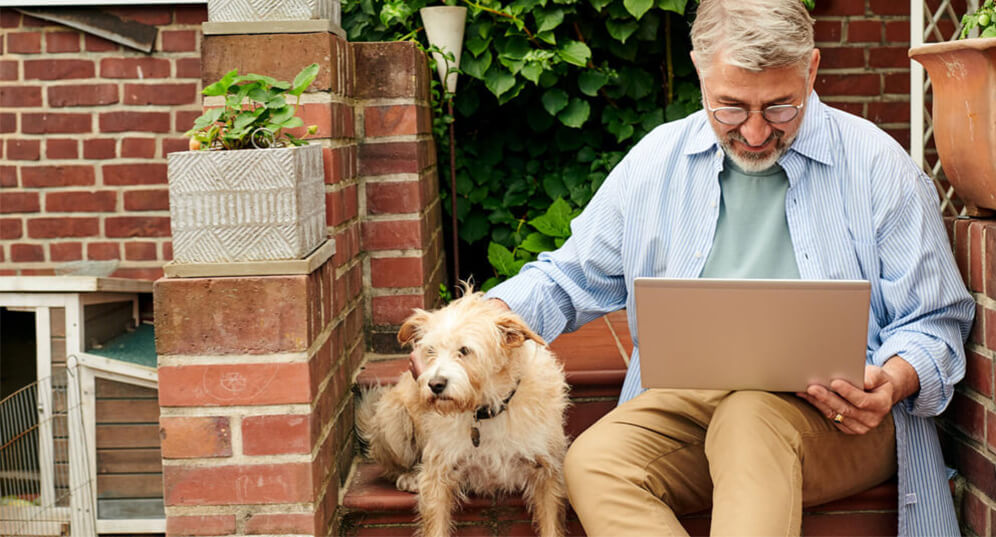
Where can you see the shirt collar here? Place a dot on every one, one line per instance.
(811, 142)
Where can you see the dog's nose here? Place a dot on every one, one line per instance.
(437, 385)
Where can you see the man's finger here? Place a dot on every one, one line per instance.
(851, 393)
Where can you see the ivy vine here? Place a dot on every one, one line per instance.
(552, 94)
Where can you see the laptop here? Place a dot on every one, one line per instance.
(772, 335)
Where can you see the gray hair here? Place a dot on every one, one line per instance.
(752, 34)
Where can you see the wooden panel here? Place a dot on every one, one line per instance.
(130, 486)
(109, 389)
(57, 319)
(128, 436)
(127, 411)
(129, 461)
(105, 321)
(130, 508)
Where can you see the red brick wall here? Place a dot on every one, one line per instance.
(85, 127)
(969, 425)
(864, 69)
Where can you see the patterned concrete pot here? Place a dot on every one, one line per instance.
(963, 75)
(246, 205)
(272, 10)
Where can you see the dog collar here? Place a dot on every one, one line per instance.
(487, 412)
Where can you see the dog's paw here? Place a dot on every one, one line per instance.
(407, 482)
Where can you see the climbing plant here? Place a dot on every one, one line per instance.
(552, 93)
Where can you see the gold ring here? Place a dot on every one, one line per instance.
(839, 418)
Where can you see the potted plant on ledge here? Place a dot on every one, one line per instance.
(963, 75)
(249, 189)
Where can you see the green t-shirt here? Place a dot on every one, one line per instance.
(752, 236)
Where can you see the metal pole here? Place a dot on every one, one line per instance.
(453, 199)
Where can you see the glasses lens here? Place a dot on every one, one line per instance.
(730, 115)
(780, 113)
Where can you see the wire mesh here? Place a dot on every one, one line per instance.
(41, 430)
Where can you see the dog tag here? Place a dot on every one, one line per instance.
(475, 436)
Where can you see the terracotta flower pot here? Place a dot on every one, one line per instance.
(963, 75)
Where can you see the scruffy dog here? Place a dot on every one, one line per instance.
(486, 416)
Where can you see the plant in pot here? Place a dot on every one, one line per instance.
(249, 189)
(963, 77)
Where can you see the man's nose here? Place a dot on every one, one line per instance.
(755, 130)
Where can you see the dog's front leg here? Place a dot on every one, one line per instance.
(437, 489)
(545, 495)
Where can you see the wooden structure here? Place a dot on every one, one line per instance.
(91, 325)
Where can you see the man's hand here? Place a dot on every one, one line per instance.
(863, 410)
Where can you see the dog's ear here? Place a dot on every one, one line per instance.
(515, 332)
(411, 328)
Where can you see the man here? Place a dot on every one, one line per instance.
(766, 182)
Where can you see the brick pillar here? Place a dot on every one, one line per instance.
(254, 377)
(400, 206)
(251, 393)
(968, 427)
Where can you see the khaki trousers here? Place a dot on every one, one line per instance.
(754, 457)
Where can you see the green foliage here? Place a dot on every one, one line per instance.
(256, 112)
(983, 18)
(552, 94)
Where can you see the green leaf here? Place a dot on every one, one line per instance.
(554, 187)
(292, 122)
(599, 4)
(476, 45)
(548, 19)
(990, 31)
(536, 243)
(515, 48)
(476, 67)
(474, 227)
(620, 30)
(574, 52)
(575, 114)
(554, 100)
(677, 6)
(276, 102)
(489, 283)
(281, 115)
(221, 87)
(591, 81)
(556, 222)
(208, 118)
(638, 7)
(532, 72)
(304, 79)
(547, 37)
(501, 259)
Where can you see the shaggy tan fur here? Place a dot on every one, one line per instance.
(475, 354)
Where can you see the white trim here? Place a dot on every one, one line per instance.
(46, 444)
(916, 85)
(79, 3)
(116, 370)
(131, 525)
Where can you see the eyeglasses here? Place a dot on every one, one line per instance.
(735, 115)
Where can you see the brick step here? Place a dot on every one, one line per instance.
(373, 507)
(595, 359)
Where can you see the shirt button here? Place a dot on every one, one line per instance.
(712, 204)
(698, 255)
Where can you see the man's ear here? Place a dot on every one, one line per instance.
(515, 332)
(814, 65)
(411, 329)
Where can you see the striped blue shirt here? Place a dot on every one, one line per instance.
(857, 208)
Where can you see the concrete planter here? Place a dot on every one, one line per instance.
(247, 205)
(273, 10)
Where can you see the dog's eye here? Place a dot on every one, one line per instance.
(464, 351)
(429, 351)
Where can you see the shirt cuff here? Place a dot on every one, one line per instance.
(930, 400)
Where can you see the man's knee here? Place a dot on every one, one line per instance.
(580, 459)
(748, 416)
